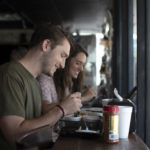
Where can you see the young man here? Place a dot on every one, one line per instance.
(20, 93)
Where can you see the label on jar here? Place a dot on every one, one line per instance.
(114, 127)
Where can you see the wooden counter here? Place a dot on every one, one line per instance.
(96, 143)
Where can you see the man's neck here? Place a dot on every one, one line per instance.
(32, 62)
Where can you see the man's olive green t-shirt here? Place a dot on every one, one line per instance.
(20, 93)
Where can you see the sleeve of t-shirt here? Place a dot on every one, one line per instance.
(12, 97)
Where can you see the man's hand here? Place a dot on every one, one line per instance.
(72, 103)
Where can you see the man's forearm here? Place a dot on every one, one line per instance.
(49, 118)
(19, 126)
(47, 106)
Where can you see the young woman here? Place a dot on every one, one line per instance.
(70, 79)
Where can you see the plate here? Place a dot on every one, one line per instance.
(94, 109)
(90, 113)
(88, 131)
(71, 118)
(91, 118)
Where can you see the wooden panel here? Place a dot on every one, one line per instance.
(15, 36)
(148, 74)
(141, 70)
(123, 46)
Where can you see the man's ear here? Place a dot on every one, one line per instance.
(46, 45)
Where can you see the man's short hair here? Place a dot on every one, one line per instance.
(55, 33)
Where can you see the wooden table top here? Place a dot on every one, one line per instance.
(96, 143)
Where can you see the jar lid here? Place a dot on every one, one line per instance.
(110, 108)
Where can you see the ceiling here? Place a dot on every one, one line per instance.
(72, 14)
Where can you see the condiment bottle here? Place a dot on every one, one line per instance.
(111, 124)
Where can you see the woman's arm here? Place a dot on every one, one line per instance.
(88, 94)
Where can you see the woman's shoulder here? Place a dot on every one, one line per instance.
(44, 77)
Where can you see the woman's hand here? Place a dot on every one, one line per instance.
(88, 94)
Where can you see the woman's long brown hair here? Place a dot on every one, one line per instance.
(63, 80)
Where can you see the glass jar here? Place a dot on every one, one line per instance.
(111, 124)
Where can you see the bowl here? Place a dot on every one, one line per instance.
(72, 118)
(106, 101)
